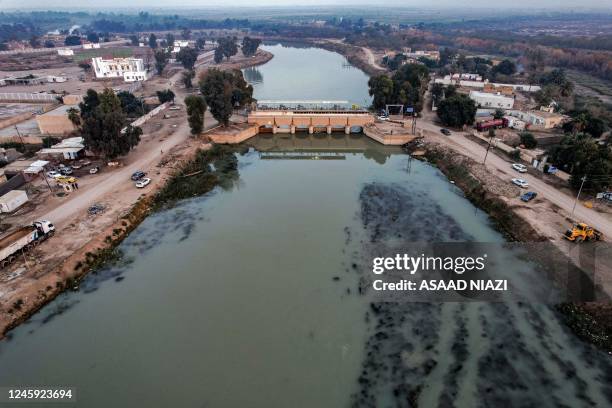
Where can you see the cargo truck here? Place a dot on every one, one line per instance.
(18, 241)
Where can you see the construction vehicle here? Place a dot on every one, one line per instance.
(581, 232)
(23, 239)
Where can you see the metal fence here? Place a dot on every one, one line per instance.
(28, 97)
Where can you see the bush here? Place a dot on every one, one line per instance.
(528, 140)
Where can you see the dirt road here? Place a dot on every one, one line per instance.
(497, 164)
(371, 58)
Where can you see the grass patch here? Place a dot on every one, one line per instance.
(102, 52)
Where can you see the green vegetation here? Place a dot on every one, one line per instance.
(187, 78)
(224, 90)
(161, 59)
(250, 45)
(87, 55)
(528, 140)
(165, 96)
(406, 87)
(197, 177)
(580, 155)
(102, 121)
(187, 56)
(457, 110)
(226, 47)
(196, 107)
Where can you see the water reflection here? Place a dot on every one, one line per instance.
(252, 75)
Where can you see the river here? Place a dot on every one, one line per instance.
(248, 296)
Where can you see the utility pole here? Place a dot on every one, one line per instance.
(491, 134)
(19, 134)
(578, 195)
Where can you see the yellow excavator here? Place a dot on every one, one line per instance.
(582, 232)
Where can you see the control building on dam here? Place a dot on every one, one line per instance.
(290, 121)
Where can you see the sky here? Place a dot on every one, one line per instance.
(426, 4)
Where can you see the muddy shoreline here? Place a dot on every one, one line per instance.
(590, 321)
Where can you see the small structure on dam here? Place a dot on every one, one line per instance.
(313, 119)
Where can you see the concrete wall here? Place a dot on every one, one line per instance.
(55, 124)
(217, 135)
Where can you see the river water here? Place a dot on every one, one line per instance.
(248, 296)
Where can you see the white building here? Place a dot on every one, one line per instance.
(515, 123)
(89, 46)
(130, 69)
(65, 51)
(448, 80)
(178, 44)
(540, 119)
(489, 100)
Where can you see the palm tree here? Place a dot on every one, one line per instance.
(74, 116)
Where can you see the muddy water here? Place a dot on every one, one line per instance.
(249, 297)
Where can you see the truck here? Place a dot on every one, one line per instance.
(23, 239)
(491, 124)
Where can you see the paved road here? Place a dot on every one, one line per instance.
(472, 149)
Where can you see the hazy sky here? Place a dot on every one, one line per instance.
(82, 4)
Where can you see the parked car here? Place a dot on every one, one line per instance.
(94, 170)
(520, 182)
(143, 183)
(528, 196)
(76, 166)
(53, 174)
(521, 168)
(175, 108)
(66, 171)
(445, 132)
(382, 118)
(138, 175)
(85, 162)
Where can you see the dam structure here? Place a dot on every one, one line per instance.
(313, 117)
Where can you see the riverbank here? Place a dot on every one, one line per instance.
(591, 321)
(87, 242)
(28, 296)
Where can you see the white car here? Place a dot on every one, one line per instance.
(143, 183)
(521, 168)
(382, 118)
(53, 174)
(94, 170)
(520, 182)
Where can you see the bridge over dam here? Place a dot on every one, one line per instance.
(316, 121)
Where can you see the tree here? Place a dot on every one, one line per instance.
(187, 56)
(200, 43)
(130, 104)
(381, 88)
(161, 59)
(498, 114)
(170, 39)
(165, 96)
(224, 90)
(250, 45)
(506, 67)
(187, 78)
(186, 34)
(528, 140)
(93, 37)
(218, 55)
(72, 40)
(34, 42)
(74, 116)
(102, 121)
(227, 46)
(196, 107)
(134, 40)
(49, 44)
(153, 41)
(456, 111)
(581, 155)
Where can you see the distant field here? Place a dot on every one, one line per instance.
(588, 85)
(101, 52)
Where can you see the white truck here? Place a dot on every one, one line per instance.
(23, 239)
